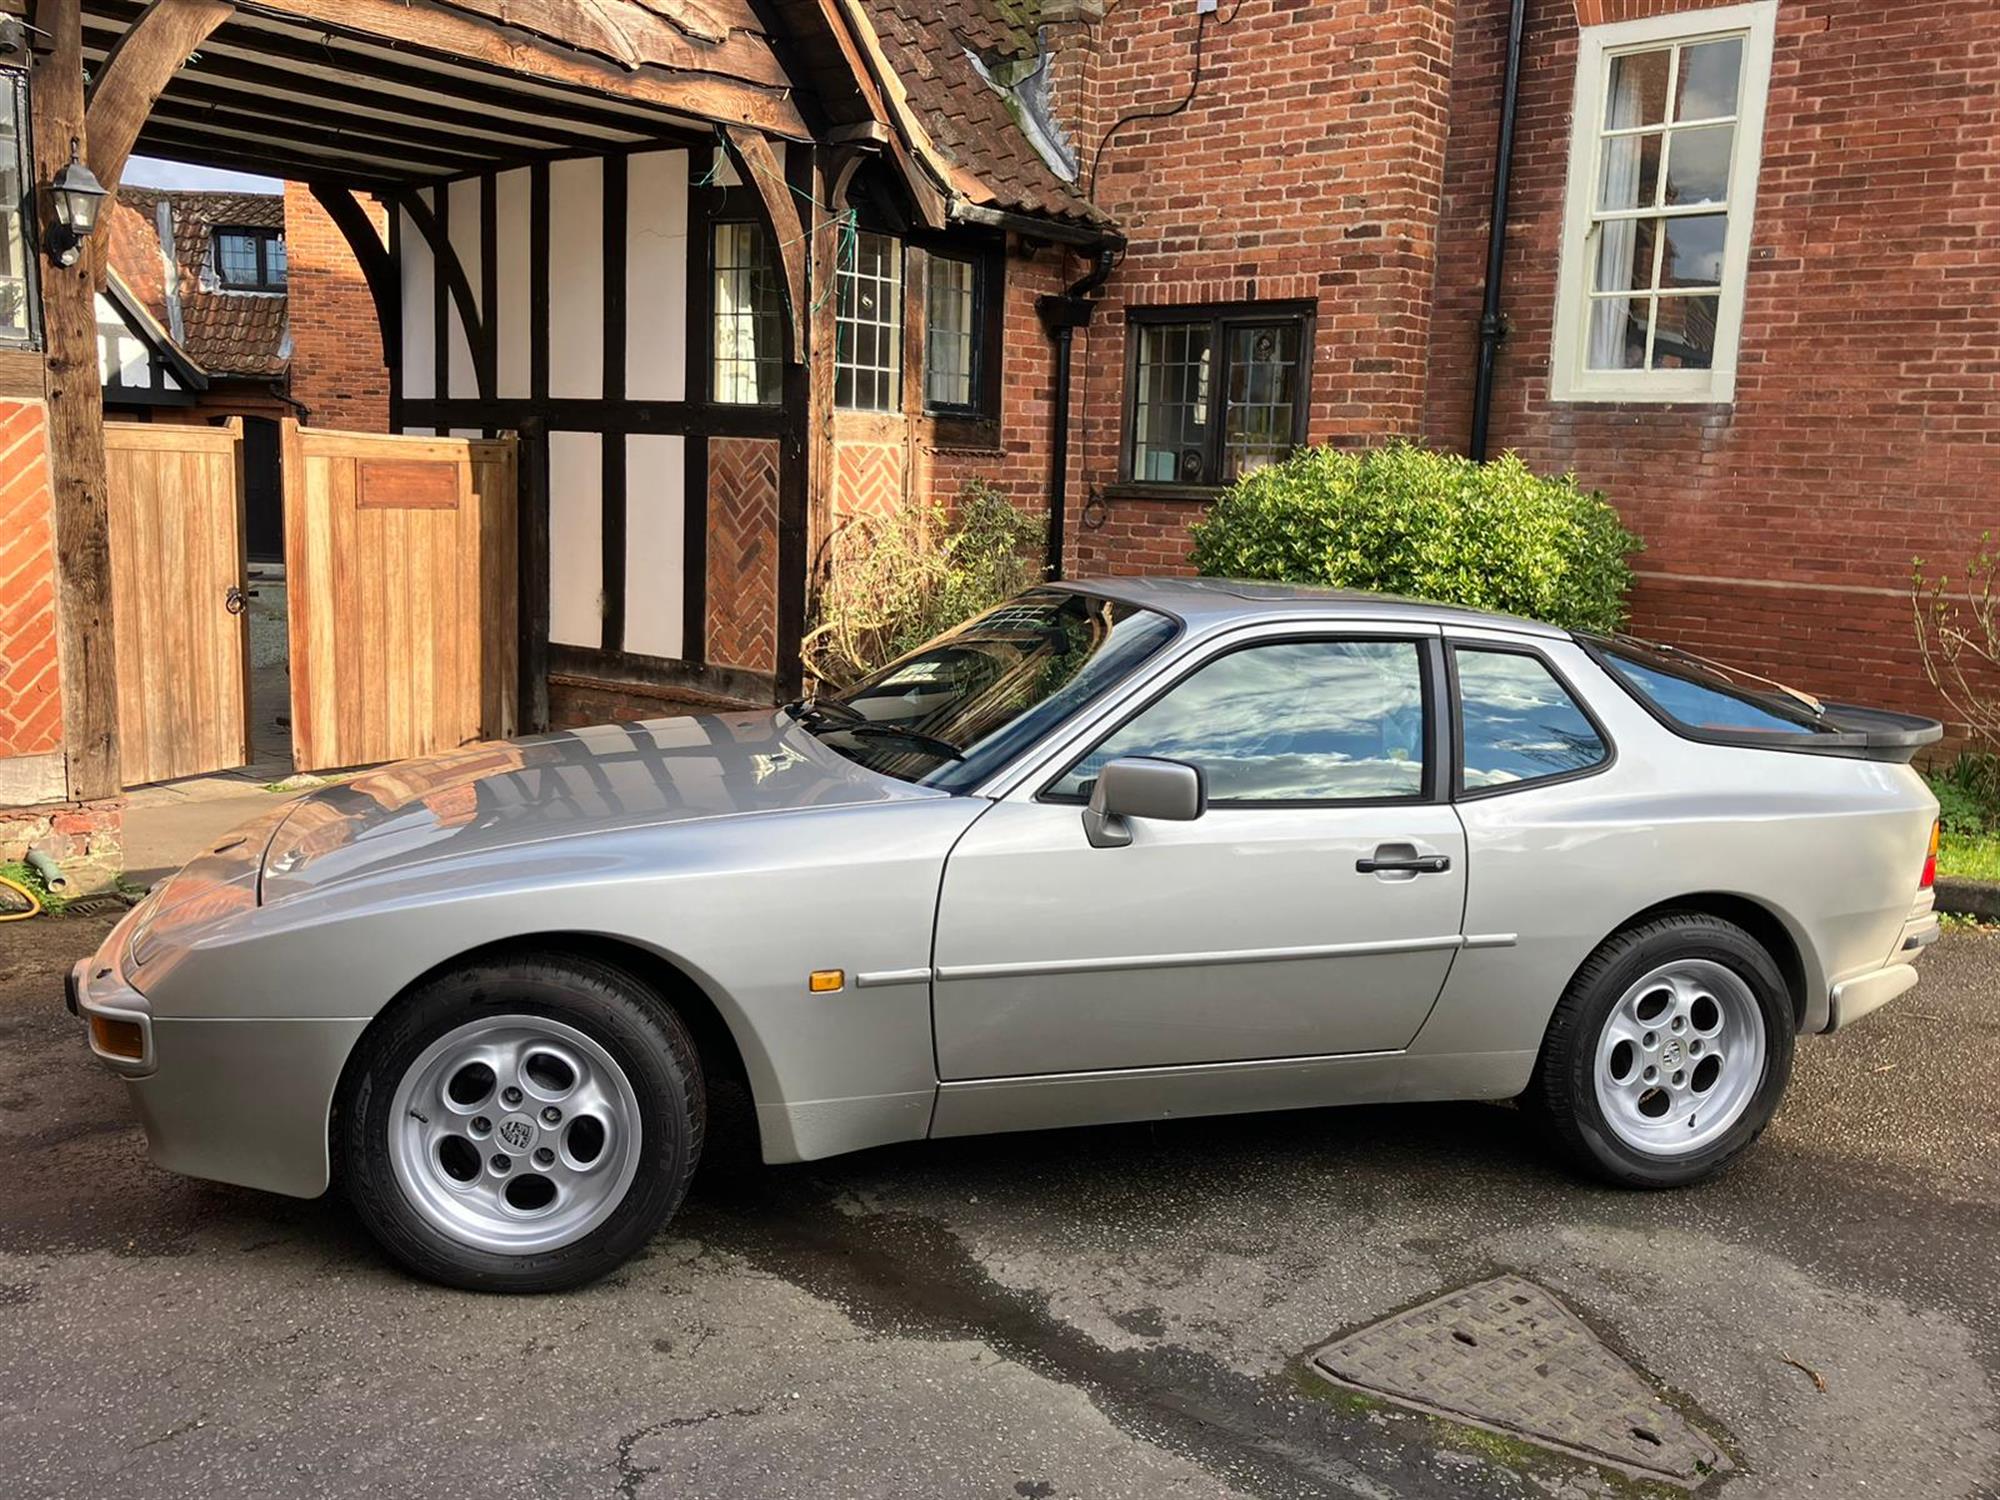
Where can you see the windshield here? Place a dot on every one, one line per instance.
(952, 712)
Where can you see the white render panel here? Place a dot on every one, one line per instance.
(513, 332)
(419, 327)
(576, 539)
(656, 289)
(462, 224)
(576, 278)
(655, 558)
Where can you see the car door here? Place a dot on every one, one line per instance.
(1261, 929)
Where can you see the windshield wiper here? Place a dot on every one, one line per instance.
(812, 710)
(929, 744)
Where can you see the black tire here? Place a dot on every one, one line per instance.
(1562, 1092)
(634, 1025)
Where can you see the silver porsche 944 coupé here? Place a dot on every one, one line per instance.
(1112, 851)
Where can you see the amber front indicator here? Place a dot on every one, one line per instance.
(1930, 860)
(826, 981)
(116, 1038)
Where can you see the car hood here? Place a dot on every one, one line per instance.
(609, 778)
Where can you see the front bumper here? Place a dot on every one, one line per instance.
(234, 1100)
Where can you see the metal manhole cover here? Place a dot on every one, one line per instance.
(1505, 1355)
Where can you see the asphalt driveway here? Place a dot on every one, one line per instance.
(1091, 1313)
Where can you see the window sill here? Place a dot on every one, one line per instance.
(1132, 489)
(965, 433)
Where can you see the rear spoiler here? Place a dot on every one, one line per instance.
(1872, 733)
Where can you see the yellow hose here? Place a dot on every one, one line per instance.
(34, 902)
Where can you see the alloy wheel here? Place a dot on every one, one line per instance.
(1680, 1058)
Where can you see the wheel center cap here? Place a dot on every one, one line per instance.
(1670, 1054)
(516, 1133)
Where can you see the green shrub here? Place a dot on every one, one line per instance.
(895, 581)
(1968, 791)
(1427, 525)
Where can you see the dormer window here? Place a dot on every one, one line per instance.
(250, 260)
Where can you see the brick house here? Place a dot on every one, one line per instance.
(1324, 174)
(733, 282)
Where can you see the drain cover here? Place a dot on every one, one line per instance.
(1505, 1355)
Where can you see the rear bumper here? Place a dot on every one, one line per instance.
(1860, 994)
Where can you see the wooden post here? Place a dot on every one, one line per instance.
(76, 427)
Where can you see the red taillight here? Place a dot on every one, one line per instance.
(1930, 861)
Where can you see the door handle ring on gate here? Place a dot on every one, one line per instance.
(238, 599)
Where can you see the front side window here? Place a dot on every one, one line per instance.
(16, 288)
(1289, 721)
(868, 325)
(1214, 397)
(747, 318)
(1518, 723)
(952, 712)
(1663, 168)
(250, 260)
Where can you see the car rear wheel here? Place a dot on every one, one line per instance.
(524, 1125)
(1668, 1054)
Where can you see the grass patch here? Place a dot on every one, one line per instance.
(21, 875)
(1974, 856)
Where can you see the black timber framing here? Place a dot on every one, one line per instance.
(613, 447)
(378, 266)
(696, 419)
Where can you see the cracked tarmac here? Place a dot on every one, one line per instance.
(1109, 1312)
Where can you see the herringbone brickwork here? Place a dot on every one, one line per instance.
(743, 553)
(868, 480)
(30, 676)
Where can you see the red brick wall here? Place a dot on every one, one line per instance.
(337, 370)
(1308, 165)
(30, 675)
(1866, 425)
(743, 553)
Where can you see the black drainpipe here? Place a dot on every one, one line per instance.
(1062, 316)
(1490, 326)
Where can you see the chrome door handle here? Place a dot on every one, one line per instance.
(1409, 864)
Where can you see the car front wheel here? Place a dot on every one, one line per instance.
(1668, 1054)
(524, 1125)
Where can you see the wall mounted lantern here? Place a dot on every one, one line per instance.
(78, 195)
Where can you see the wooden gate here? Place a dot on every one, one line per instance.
(175, 503)
(400, 567)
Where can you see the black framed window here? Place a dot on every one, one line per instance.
(868, 325)
(17, 261)
(953, 319)
(1215, 393)
(1285, 722)
(1518, 723)
(746, 320)
(250, 259)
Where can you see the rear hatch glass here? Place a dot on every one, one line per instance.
(1704, 700)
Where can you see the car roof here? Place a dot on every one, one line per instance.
(1206, 602)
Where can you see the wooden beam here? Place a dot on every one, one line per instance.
(705, 87)
(77, 485)
(151, 51)
(757, 164)
(179, 145)
(372, 80)
(377, 269)
(478, 330)
(276, 132)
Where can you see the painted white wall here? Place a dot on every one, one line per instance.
(419, 349)
(512, 327)
(576, 278)
(656, 271)
(655, 560)
(576, 539)
(462, 224)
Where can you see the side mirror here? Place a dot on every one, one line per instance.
(1141, 786)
